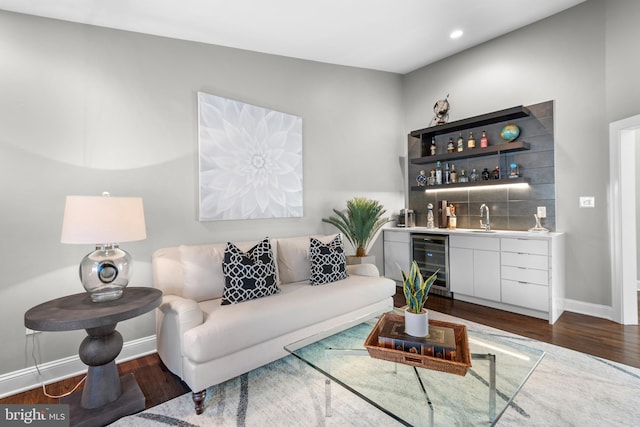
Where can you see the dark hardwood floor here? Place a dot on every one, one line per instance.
(586, 334)
(155, 381)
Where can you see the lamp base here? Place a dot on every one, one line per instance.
(105, 272)
(106, 295)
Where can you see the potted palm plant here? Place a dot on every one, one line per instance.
(416, 292)
(359, 223)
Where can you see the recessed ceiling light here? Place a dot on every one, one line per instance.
(456, 34)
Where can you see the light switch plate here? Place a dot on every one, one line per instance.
(542, 212)
(587, 202)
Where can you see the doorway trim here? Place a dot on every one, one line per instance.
(622, 215)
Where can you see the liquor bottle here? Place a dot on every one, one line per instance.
(453, 176)
(447, 174)
(450, 147)
(463, 176)
(438, 173)
(473, 176)
(433, 148)
(496, 173)
(453, 220)
(485, 174)
(471, 143)
(432, 177)
(460, 143)
(484, 141)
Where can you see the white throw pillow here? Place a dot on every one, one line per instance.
(293, 259)
(202, 271)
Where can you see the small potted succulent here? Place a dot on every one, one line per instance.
(416, 292)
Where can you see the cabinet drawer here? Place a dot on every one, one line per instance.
(469, 242)
(527, 246)
(527, 275)
(525, 295)
(401, 236)
(519, 259)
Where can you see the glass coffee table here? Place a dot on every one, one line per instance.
(419, 396)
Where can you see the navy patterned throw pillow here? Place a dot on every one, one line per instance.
(328, 262)
(248, 275)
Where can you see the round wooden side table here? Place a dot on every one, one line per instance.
(106, 396)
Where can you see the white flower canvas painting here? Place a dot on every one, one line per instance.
(250, 161)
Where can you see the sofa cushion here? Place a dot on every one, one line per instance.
(328, 262)
(230, 328)
(248, 275)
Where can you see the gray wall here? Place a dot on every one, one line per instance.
(562, 58)
(86, 109)
(621, 65)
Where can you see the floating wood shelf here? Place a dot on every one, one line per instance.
(457, 185)
(473, 152)
(472, 122)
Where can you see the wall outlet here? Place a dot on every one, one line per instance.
(31, 332)
(542, 212)
(587, 202)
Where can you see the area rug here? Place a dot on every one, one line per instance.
(567, 388)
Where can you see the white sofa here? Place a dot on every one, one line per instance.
(206, 343)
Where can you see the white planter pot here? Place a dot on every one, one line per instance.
(354, 260)
(416, 325)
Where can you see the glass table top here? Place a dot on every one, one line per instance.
(419, 396)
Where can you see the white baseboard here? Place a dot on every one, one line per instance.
(50, 372)
(589, 309)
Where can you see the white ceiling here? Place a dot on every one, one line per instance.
(389, 35)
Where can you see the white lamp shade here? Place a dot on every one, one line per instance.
(103, 220)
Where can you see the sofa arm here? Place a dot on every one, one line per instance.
(186, 312)
(369, 270)
(175, 316)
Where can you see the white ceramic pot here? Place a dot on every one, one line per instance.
(416, 325)
(354, 260)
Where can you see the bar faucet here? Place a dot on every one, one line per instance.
(487, 225)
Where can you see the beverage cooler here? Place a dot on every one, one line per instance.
(431, 252)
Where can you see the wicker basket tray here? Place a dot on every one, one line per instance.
(458, 366)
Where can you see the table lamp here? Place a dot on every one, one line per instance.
(105, 222)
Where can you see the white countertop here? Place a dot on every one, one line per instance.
(476, 232)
